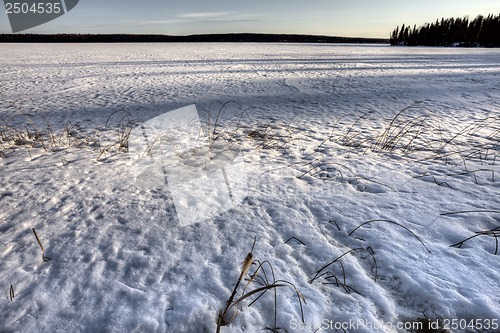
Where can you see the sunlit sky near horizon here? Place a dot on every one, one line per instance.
(353, 18)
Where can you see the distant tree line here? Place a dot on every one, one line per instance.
(482, 31)
(213, 38)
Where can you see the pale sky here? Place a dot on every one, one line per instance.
(349, 18)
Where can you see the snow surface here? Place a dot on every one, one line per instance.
(120, 260)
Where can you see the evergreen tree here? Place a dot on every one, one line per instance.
(482, 31)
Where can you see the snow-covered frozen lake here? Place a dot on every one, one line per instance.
(332, 136)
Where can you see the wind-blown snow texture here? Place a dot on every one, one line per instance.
(120, 262)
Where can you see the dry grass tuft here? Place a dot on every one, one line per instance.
(493, 232)
(264, 279)
(28, 134)
(327, 272)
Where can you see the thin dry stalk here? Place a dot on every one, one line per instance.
(223, 319)
(472, 211)
(391, 222)
(495, 232)
(322, 272)
(44, 258)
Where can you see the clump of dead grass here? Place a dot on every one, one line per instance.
(27, 134)
(261, 281)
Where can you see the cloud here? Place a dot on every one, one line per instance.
(209, 17)
(205, 15)
(155, 22)
(199, 17)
